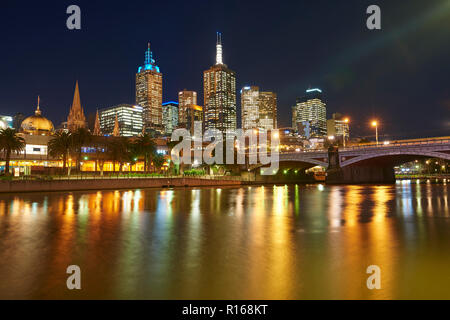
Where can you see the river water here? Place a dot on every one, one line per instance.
(259, 242)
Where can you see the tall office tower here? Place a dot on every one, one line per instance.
(219, 87)
(149, 93)
(76, 118)
(185, 98)
(194, 113)
(338, 127)
(250, 107)
(294, 118)
(312, 109)
(129, 119)
(170, 116)
(259, 109)
(267, 110)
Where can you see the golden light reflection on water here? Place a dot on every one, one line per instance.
(271, 242)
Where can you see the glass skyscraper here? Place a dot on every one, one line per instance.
(312, 110)
(170, 116)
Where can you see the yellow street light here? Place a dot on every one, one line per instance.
(346, 120)
(375, 124)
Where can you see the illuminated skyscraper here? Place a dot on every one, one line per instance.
(170, 116)
(259, 109)
(267, 110)
(185, 98)
(194, 113)
(149, 93)
(219, 86)
(250, 107)
(294, 118)
(312, 109)
(338, 127)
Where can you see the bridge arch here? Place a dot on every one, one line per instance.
(391, 158)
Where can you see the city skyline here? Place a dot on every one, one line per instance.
(395, 99)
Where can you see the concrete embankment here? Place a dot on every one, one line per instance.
(99, 184)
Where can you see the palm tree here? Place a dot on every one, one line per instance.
(10, 142)
(80, 138)
(60, 146)
(145, 147)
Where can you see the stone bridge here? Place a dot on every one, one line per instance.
(369, 162)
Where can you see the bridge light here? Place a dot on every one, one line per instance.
(386, 142)
(374, 123)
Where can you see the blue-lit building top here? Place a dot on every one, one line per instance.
(6, 122)
(149, 63)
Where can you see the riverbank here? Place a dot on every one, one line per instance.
(122, 183)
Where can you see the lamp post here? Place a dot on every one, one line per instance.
(345, 127)
(375, 124)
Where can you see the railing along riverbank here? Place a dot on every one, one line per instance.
(74, 183)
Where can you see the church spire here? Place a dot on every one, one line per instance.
(76, 104)
(116, 131)
(76, 118)
(219, 49)
(97, 131)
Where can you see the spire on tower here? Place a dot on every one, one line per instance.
(116, 131)
(38, 111)
(97, 131)
(76, 118)
(148, 56)
(219, 38)
(219, 49)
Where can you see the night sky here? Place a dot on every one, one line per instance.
(399, 75)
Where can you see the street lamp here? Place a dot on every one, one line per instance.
(346, 121)
(375, 124)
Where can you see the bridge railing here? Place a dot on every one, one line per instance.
(399, 143)
(384, 144)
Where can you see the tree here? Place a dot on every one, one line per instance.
(79, 138)
(145, 147)
(59, 147)
(118, 149)
(158, 161)
(10, 142)
(170, 146)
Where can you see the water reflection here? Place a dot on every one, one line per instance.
(258, 242)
